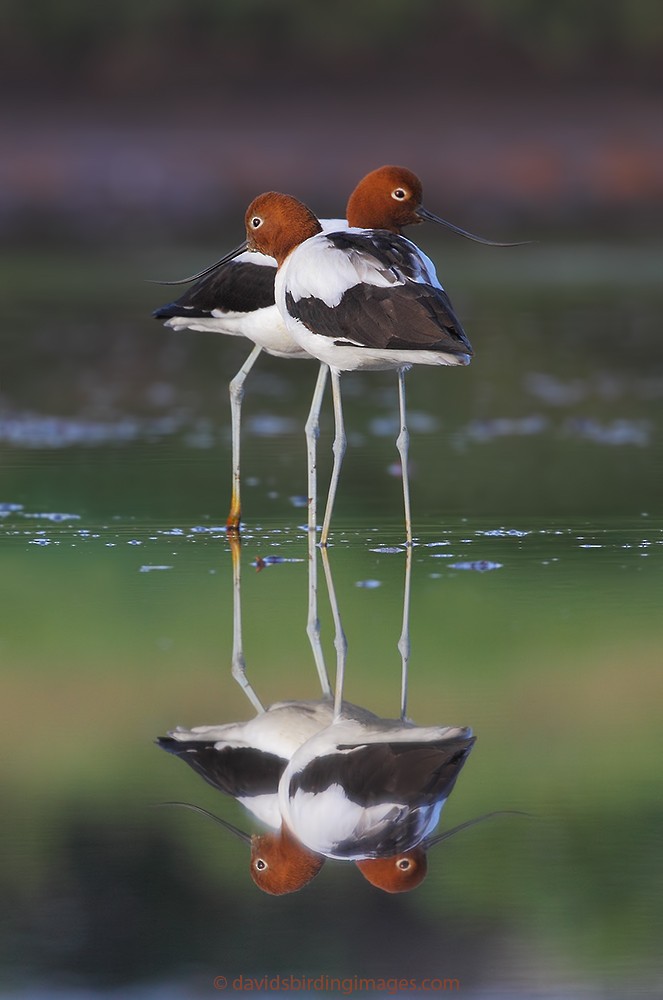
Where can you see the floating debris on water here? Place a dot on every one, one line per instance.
(34, 430)
(270, 425)
(261, 562)
(201, 439)
(481, 566)
(12, 508)
(619, 432)
(553, 391)
(387, 549)
(150, 569)
(368, 584)
(56, 518)
(503, 533)
(396, 470)
(418, 422)
(481, 431)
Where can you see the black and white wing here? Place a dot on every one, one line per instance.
(242, 286)
(374, 290)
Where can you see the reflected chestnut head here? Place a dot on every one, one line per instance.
(280, 864)
(399, 873)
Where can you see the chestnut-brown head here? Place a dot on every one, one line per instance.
(399, 873)
(392, 198)
(387, 198)
(277, 223)
(280, 864)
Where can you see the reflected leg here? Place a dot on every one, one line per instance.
(404, 641)
(238, 662)
(338, 449)
(236, 396)
(340, 642)
(313, 623)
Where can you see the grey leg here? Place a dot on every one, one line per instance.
(312, 434)
(236, 396)
(338, 449)
(403, 444)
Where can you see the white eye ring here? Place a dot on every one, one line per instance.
(260, 864)
(256, 222)
(404, 864)
(400, 194)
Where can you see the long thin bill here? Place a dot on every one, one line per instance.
(208, 270)
(432, 841)
(215, 819)
(425, 214)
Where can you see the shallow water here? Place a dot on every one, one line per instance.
(536, 482)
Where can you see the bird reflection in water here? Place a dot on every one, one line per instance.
(247, 759)
(328, 778)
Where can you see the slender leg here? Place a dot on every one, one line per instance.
(404, 641)
(236, 396)
(403, 444)
(340, 642)
(312, 434)
(238, 662)
(338, 449)
(313, 624)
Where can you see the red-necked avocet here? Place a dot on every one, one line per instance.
(238, 300)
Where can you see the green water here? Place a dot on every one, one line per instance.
(536, 583)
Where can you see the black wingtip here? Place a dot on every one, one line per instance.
(165, 312)
(176, 310)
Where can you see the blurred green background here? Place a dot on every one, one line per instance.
(133, 137)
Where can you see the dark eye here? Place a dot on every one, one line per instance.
(404, 864)
(256, 222)
(260, 864)
(399, 194)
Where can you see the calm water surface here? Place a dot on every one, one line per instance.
(536, 592)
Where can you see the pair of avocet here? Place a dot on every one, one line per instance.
(355, 294)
